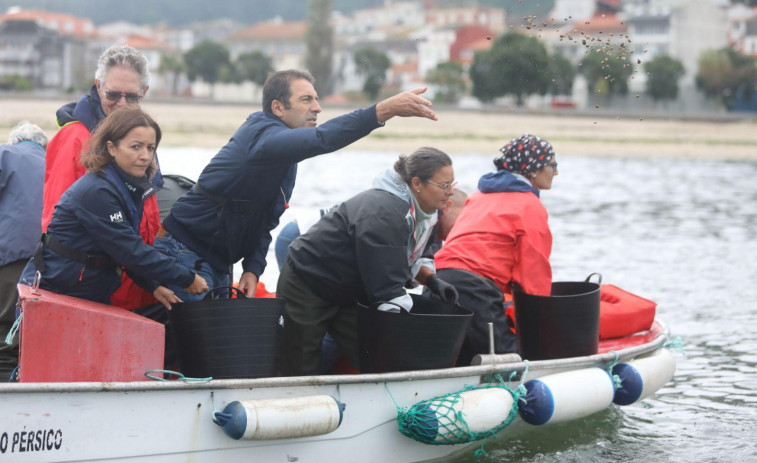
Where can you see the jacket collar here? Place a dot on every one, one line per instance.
(504, 181)
(87, 110)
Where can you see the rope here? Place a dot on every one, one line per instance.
(180, 377)
(617, 383)
(676, 344)
(386, 386)
(220, 418)
(14, 329)
(12, 378)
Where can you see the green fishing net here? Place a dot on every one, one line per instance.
(441, 421)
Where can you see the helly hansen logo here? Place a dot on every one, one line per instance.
(117, 217)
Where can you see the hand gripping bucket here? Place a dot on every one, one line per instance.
(427, 337)
(565, 324)
(228, 338)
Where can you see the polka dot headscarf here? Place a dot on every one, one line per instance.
(524, 155)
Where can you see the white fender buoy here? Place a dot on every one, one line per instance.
(640, 378)
(280, 418)
(566, 396)
(468, 413)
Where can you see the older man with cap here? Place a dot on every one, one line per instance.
(22, 170)
(501, 239)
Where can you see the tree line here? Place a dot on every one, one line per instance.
(516, 65)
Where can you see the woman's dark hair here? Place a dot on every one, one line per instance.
(423, 163)
(113, 129)
(278, 86)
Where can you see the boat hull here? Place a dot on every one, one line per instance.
(172, 421)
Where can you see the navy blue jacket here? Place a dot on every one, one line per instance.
(87, 110)
(259, 166)
(22, 172)
(100, 214)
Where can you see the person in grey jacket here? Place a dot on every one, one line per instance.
(367, 249)
(22, 172)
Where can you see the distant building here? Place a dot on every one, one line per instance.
(575, 39)
(469, 40)
(568, 11)
(143, 38)
(742, 33)
(48, 49)
(490, 18)
(62, 23)
(283, 42)
(682, 31)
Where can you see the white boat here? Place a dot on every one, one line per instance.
(300, 418)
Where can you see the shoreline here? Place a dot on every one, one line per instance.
(458, 131)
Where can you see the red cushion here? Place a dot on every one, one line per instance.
(622, 313)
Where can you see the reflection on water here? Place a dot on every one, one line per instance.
(679, 232)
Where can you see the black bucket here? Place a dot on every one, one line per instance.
(228, 338)
(428, 337)
(565, 324)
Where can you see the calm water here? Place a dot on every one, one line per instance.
(680, 232)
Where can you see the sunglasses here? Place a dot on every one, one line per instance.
(443, 186)
(114, 96)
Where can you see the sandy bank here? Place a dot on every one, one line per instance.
(456, 132)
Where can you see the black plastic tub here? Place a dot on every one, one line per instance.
(228, 338)
(565, 324)
(428, 337)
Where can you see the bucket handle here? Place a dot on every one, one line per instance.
(599, 277)
(212, 294)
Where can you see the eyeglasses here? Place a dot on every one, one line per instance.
(114, 96)
(445, 186)
(553, 165)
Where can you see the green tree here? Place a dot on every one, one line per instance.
(205, 60)
(663, 75)
(228, 73)
(516, 65)
(563, 75)
(254, 66)
(320, 44)
(726, 75)
(173, 68)
(606, 64)
(372, 64)
(485, 83)
(450, 77)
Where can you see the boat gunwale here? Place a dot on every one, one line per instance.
(325, 380)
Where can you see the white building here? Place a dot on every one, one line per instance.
(567, 11)
(682, 30)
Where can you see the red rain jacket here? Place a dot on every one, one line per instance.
(503, 236)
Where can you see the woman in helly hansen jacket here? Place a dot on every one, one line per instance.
(94, 230)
